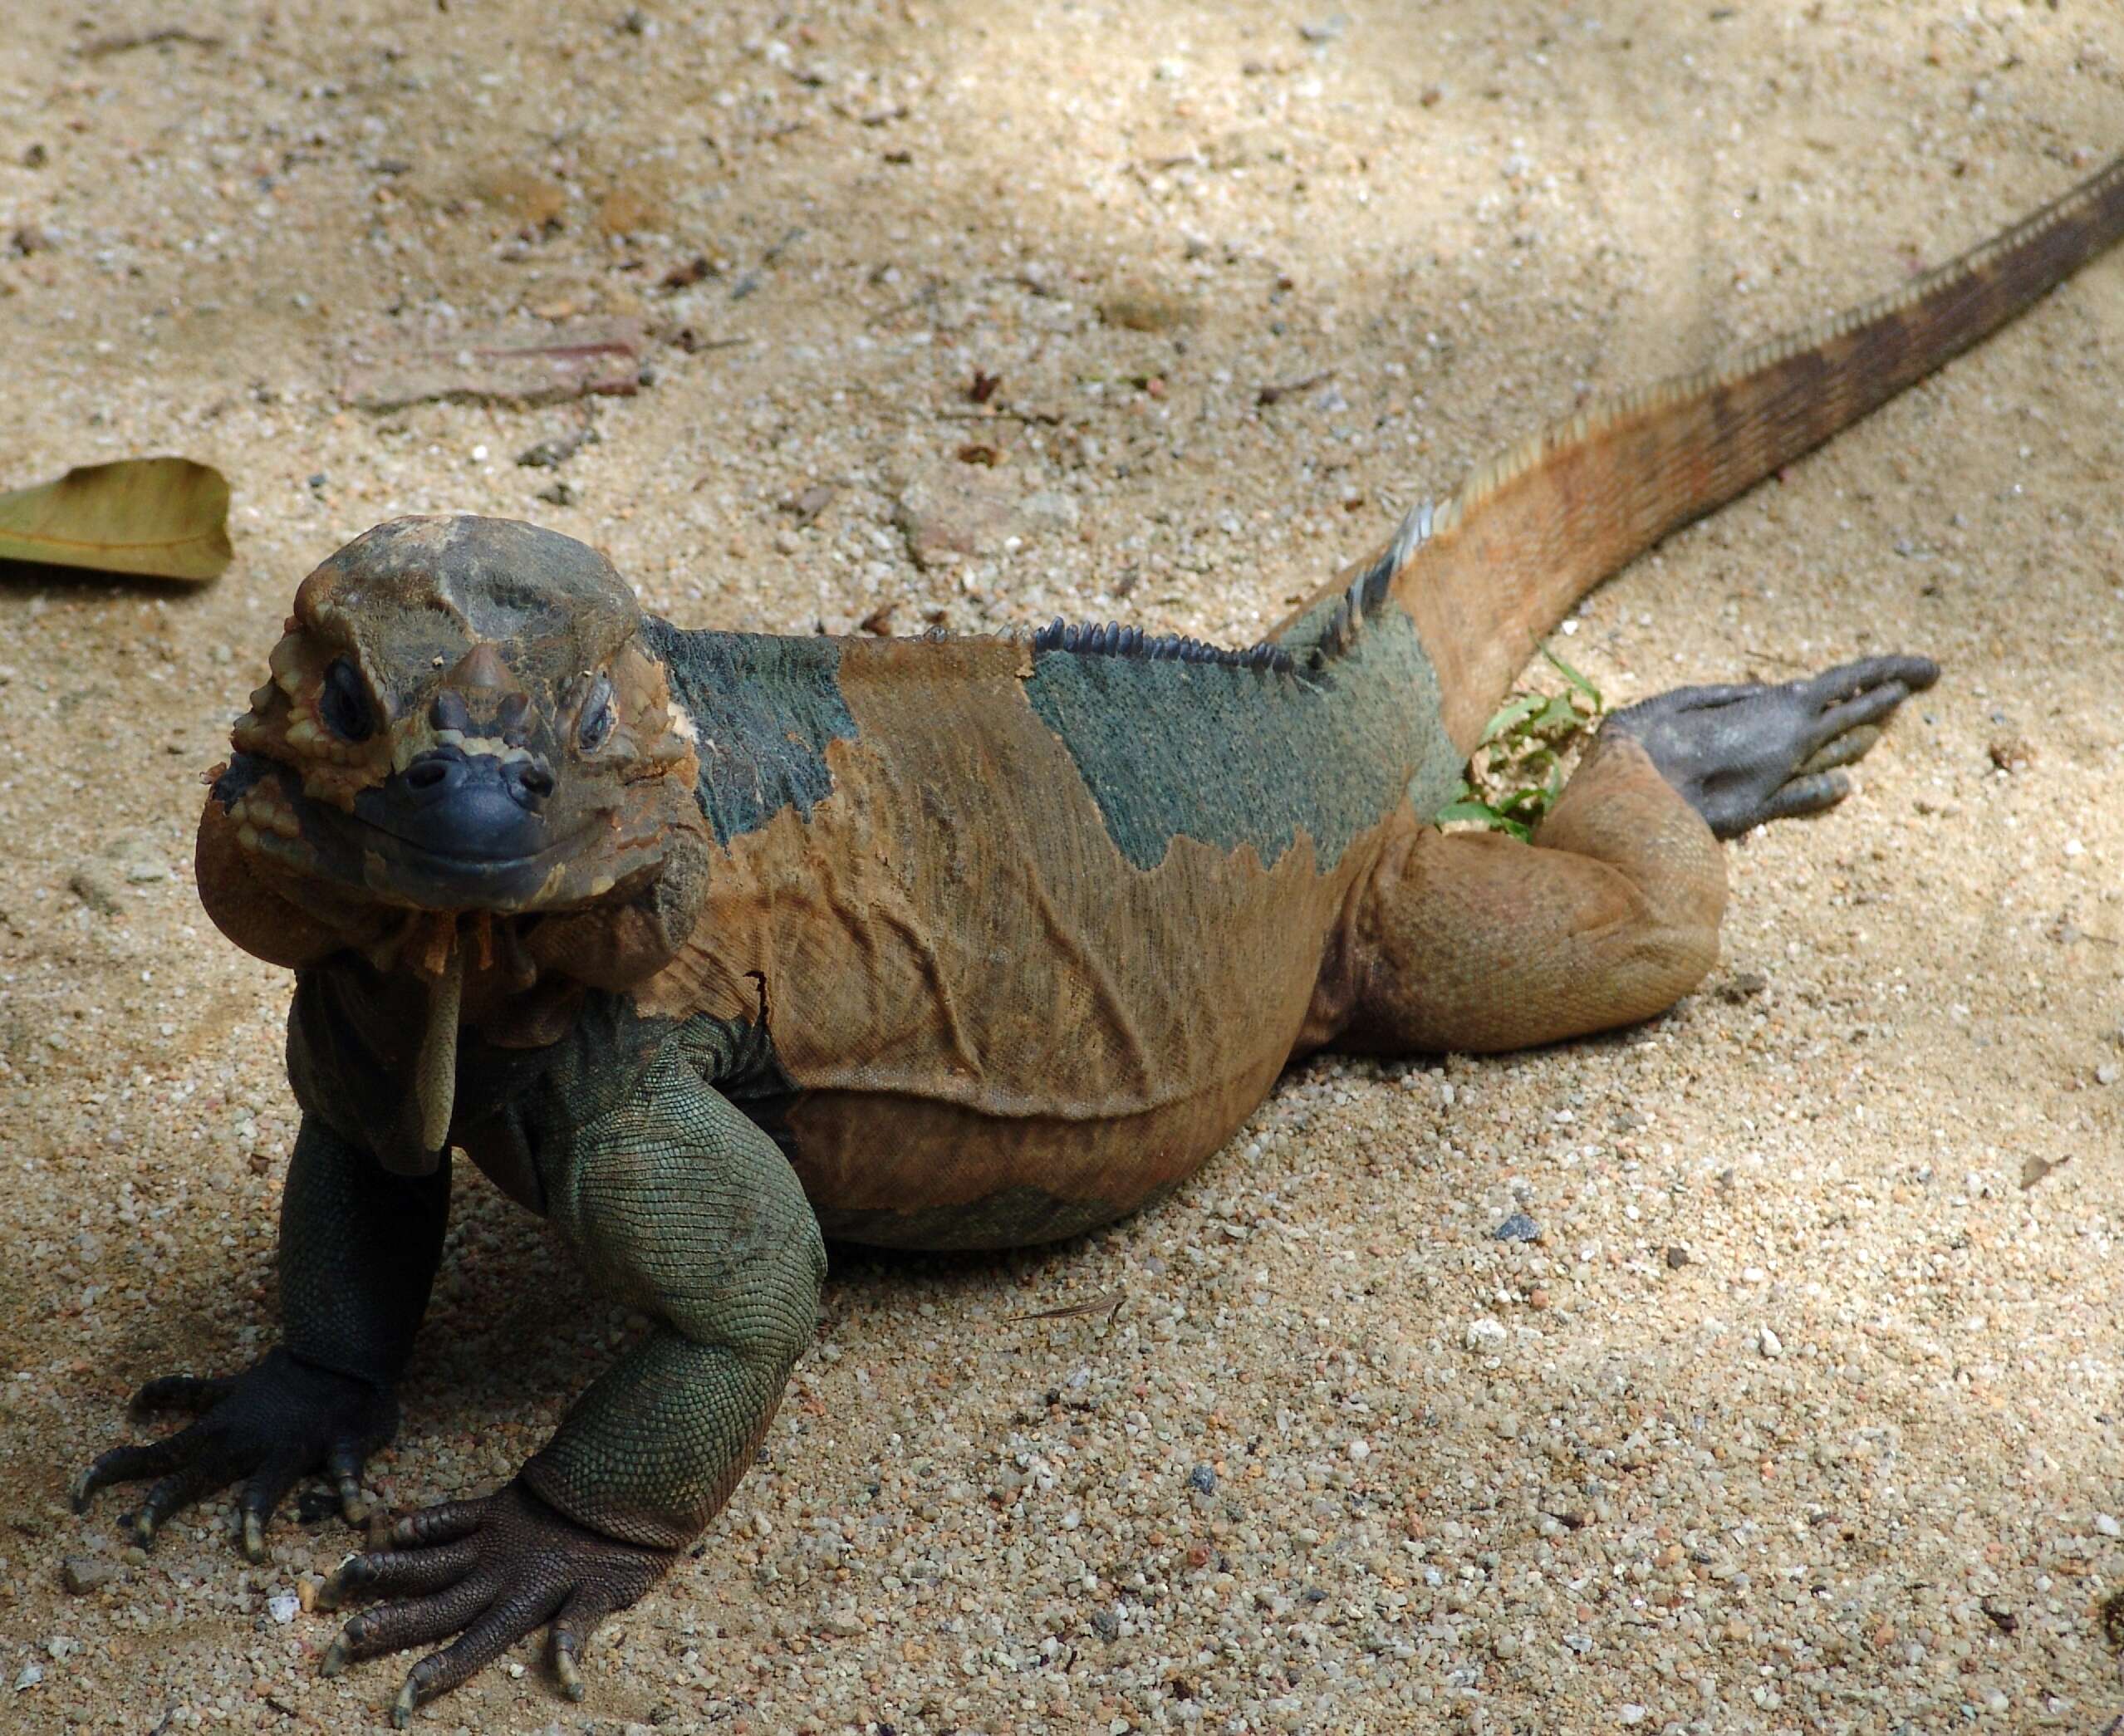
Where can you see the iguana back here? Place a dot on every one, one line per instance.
(1037, 928)
(1038, 920)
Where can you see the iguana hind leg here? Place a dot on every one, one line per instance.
(1476, 941)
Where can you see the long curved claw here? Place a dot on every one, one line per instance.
(343, 1465)
(180, 1488)
(126, 1464)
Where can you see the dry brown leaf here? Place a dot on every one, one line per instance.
(164, 518)
(2034, 1168)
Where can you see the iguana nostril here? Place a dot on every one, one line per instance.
(430, 770)
(529, 782)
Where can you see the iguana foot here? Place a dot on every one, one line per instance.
(490, 1570)
(270, 1426)
(1746, 753)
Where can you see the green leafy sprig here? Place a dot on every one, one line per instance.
(1517, 769)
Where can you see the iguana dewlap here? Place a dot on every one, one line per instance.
(697, 942)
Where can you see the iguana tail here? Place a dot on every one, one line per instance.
(1490, 572)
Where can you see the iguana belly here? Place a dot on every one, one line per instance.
(979, 1070)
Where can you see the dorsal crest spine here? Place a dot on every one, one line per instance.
(1370, 588)
(1090, 639)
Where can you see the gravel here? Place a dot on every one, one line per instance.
(1589, 1500)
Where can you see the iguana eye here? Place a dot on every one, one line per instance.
(344, 704)
(596, 728)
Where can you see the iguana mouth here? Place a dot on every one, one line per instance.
(364, 854)
(407, 872)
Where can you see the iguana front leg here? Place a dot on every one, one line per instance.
(693, 1214)
(358, 1251)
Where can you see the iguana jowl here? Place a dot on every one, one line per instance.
(697, 942)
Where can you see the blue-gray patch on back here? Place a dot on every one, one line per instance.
(765, 707)
(1233, 756)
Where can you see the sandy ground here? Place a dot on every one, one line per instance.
(1803, 1414)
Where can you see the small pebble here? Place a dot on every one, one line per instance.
(82, 1574)
(281, 1606)
(1203, 1479)
(1769, 1342)
(1677, 1258)
(1516, 1228)
(550, 454)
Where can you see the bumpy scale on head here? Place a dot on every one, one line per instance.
(463, 716)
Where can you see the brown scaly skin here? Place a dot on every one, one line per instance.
(696, 942)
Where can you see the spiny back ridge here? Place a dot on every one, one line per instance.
(1112, 640)
(1370, 588)
(1367, 593)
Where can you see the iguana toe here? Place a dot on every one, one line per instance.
(565, 1672)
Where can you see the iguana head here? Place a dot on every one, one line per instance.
(463, 719)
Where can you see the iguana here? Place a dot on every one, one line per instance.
(702, 944)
